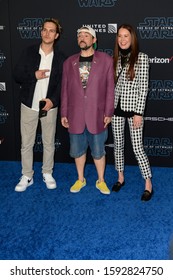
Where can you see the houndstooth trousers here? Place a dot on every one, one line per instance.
(136, 135)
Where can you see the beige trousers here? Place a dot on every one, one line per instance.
(28, 125)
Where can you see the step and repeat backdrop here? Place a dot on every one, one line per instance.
(20, 23)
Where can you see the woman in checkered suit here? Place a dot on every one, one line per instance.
(131, 78)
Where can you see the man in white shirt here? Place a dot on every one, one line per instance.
(39, 73)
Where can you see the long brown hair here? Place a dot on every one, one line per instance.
(133, 54)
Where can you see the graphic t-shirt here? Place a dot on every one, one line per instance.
(84, 69)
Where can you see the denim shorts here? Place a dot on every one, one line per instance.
(79, 144)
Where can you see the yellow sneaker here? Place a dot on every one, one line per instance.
(78, 185)
(102, 187)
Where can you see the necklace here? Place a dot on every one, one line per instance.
(125, 52)
(124, 55)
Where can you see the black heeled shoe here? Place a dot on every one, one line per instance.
(117, 186)
(147, 195)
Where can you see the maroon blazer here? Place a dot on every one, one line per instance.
(87, 108)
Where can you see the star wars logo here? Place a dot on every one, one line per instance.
(156, 28)
(97, 3)
(160, 90)
(160, 147)
(38, 147)
(3, 115)
(30, 28)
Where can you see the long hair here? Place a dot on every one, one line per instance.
(133, 54)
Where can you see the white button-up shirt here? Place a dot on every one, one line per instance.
(42, 84)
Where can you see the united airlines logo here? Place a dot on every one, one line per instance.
(38, 147)
(30, 28)
(112, 28)
(2, 86)
(103, 27)
(156, 28)
(97, 3)
(160, 90)
(160, 147)
(3, 114)
(2, 58)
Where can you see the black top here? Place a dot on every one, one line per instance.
(118, 111)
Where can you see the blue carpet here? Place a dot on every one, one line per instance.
(41, 224)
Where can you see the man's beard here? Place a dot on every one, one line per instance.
(85, 48)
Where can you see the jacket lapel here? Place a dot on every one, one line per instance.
(75, 67)
(94, 66)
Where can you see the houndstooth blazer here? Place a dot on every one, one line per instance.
(132, 94)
